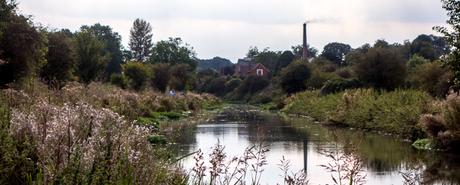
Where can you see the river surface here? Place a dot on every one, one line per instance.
(303, 142)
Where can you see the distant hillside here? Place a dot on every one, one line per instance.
(216, 63)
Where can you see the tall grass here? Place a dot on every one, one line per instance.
(394, 112)
(444, 126)
(86, 135)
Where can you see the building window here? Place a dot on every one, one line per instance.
(260, 72)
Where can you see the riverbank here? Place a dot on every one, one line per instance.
(397, 112)
(90, 134)
(409, 114)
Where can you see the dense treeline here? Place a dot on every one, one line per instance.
(93, 53)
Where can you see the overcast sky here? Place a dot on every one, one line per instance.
(227, 28)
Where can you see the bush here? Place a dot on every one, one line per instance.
(319, 78)
(119, 80)
(444, 127)
(432, 78)
(253, 84)
(217, 86)
(137, 74)
(233, 84)
(161, 77)
(394, 112)
(334, 86)
(381, 68)
(294, 77)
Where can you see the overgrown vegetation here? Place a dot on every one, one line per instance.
(94, 134)
(394, 112)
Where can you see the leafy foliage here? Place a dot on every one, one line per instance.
(173, 51)
(91, 57)
(22, 46)
(112, 47)
(453, 38)
(381, 68)
(61, 59)
(336, 52)
(293, 77)
(137, 74)
(140, 41)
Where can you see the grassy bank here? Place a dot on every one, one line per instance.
(396, 112)
(95, 134)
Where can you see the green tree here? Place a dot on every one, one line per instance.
(182, 77)
(284, 60)
(294, 77)
(298, 51)
(429, 46)
(253, 52)
(268, 58)
(61, 59)
(22, 46)
(453, 38)
(174, 51)
(416, 60)
(140, 41)
(431, 77)
(137, 74)
(336, 52)
(91, 58)
(381, 68)
(112, 47)
(161, 77)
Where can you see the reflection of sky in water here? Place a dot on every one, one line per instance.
(236, 138)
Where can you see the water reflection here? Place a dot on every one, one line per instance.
(384, 157)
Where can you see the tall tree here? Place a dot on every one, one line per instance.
(174, 51)
(91, 59)
(22, 45)
(298, 51)
(112, 47)
(382, 68)
(429, 46)
(284, 60)
(268, 58)
(140, 41)
(61, 59)
(336, 52)
(453, 37)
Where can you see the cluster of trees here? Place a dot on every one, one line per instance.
(413, 64)
(92, 53)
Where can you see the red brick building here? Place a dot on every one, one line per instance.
(246, 67)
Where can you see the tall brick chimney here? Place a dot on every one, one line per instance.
(305, 46)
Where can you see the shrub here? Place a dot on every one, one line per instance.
(253, 84)
(394, 112)
(137, 74)
(217, 86)
(382, 68)
(432, 78)
(444, 127)
(294, 77)
(319, 78)
(233, 84)
(334, 86)
(311, 103)
(119, 80)
(161, 77)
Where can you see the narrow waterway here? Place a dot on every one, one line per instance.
(303, 143)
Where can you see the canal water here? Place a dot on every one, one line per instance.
(303, 143)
